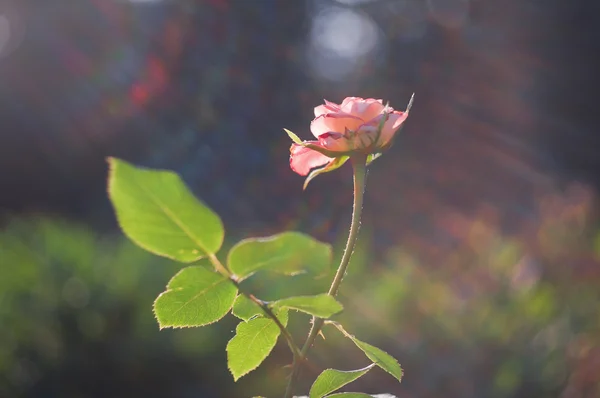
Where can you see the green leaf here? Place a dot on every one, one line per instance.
(381, 358)
(156, 210)
(252, 343)
(245, 309)
(195, 296)
(372, 157)
(350, 395)
(335, 164)
(293, 137)
(321, 305)
(289, 253)
(331, 379)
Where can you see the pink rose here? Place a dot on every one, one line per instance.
(357, 125)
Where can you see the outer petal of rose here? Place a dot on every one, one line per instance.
(336, 142)
(401, 117)
(303, 159)
(337, 122)
(395, 120)
(329, 107)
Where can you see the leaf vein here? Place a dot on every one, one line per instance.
(171, 216)
(203, 291)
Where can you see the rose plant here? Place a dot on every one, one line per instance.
(157, 211)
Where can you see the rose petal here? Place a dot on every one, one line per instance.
(303, 159)
(390, 127)
(364, 108)
(334, 122)
(332, 104)
(335, 142)
(329, 107)
(346, 104)
(401, 117)
(370, 111)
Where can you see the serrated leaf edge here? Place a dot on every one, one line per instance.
(269, 238)
(236, 378)
(364, 371)
(357, 342)
(112, 167)
(277, 304)
(161, 327)
(260, 363)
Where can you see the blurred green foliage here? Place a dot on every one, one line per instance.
(75, 308)
(489, 314)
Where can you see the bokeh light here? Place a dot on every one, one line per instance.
(12, 27)
(341, 40)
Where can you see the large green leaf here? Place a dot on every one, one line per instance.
(289, 253)
(244, 308)
(321, 305)
(331, 379)
(195, 296)
(156, 210)
(381, 358)
(252, 343)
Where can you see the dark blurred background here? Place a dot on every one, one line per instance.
(479, 261)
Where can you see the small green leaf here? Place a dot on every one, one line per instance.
(381, 358)
(350, 395)
(384, 360)
(156, 210)
(244, 308)
(293, 137)
(372, 157)
(252, 343)
(335, 164)
(289, 253)
(195, 296)
(331, 379)
(321, 305)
